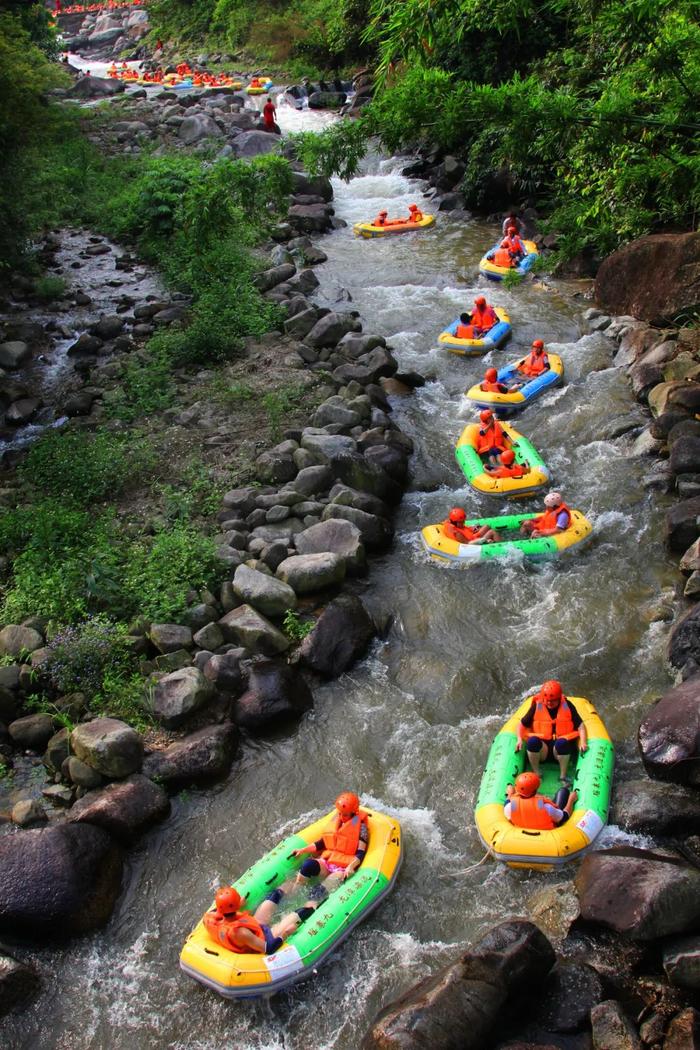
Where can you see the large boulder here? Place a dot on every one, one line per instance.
(125, 810)
(198, 126)
(312, 185)
(628, 280)
(276, 692)
(652, 807)
(376, 532)
(327, 99)
(684, 1031)
(170, 637)
(308, 573)
(266, 594)
(19, 984)
(199, 758)
(109, 746)
(367, 369)
(74, 870)
(685, 455)
(669, 736)
(97, 87)
(14, 353)
(32, 732)
(336, 535)
(683, 648)
(461, 1006)
(179, 694)
(329, 330)
(254, 143)
(14, 640)
(309, 218)
(223, 670)
(573, 990)
(246, 627)
(612, 1029)
(640, 894)
(682, 524)
(340, 637)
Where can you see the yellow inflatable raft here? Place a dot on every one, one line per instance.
(366, 229)
(536, 473)
(590, 774)
(537, 548)
(241, 976)
(505, 404)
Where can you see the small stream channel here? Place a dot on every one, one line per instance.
(410, 726)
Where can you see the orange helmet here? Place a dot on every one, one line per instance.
(413, 207)
(507, 457)
(551, 690)
(383, 212)
(486, 416)
(512, 229)
(491, 375)
(457, 515)
(527, 784)
(347, 803)
(228, 900)
(537, 344)
(480, 300)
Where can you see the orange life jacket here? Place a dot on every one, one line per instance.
(530, 813)
(461, 533)
(416, 216)
(484, 319)
(223, 930)
(513, 244)
(516, 471)
(489, 437)
(502, 257)
(493, 388)
(561, 727)
(548, 520)
(534, 364)
(464, 331)
(340, 845)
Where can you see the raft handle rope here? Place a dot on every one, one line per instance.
(472, 867)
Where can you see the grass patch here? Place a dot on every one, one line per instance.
(145, 384)
(295, 627)
(50, 287)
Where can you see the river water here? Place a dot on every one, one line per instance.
(409, 727)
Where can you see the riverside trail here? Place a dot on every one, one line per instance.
(410, 727)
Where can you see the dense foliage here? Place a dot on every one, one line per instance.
(589, 109)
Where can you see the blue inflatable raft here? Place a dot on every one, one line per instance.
(514, 400)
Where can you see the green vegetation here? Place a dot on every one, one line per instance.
(587, 109)
(5, 770)
(295, 628)
(50, 287)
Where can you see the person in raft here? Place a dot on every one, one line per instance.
(552, 728)
(536, 362)
(507, 468)
(526, 808)
(512, 219)
(490, 439)
(381, 219)
(341, 850)
(415, 214)
(476, 324)
(512, 244)
(556, 518)
(241, 932)
(490, 383)
(455, 528)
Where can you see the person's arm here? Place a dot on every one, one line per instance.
(582, 738)
(359, 853)
(312, 848)
(246, 939)
(524, 726)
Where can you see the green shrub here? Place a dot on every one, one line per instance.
(50, 287)
(80, 656)
(123, 695)
(295, 628)
(83, 469)
(159, 572)
(145, 387)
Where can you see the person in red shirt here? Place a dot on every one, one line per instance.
(268, 113)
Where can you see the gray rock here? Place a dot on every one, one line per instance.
(276, 692)
(201, 757)
(23, 411)
(368, 369)
(32, 732)
(337, 536)
(275, 275)
(19, 984)
(59, 794)
(25, 812)
(376, 532)
(277, 465)
(315, 186)
(309, 218)
(108, 327)
(340, 637)
(13, 354)
(97, 87)
(9, 678)
(299, 326)
(655, 808)
(111, 747)
(354, 345)
(255, 143)
(669, 735)
(15, 640)
(683, 1031)
(681, 960)
(329, 329)
(312, 480)
(169, 637)
(683, 647)
(334, 410)
(640, 894)
(326, 447)
(209, 637)
(573, 990)
(283, 531)
(266, 594)
(612, 1029)
(244, 626)
(57, 750)
(223, 670)
(308, 573)
(125, 809)
(681, 524)
(179, 694)
(685, 455)
(75, 870)
(198, 126)
(81, 774)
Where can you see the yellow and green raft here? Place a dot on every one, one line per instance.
(241, 976)
(537, 548)
(591, 776)
(536, 477)
(367, 229)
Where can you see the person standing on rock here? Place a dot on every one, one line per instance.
(552, 728)
(268, 114)
(525, 808)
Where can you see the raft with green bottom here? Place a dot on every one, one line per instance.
(590, 774)
(367, 229)
(538, 548)
(250, 975)
(472, 465)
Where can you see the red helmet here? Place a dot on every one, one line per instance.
(527, 784)
(347, 803)
(507, 457)
(486, 416)
(537, 344)
(491, 375)
(413, 207)
(383, 212)
(228, 900)
(512, 229)
(551, 690)
(480, 300)
(457, 515)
